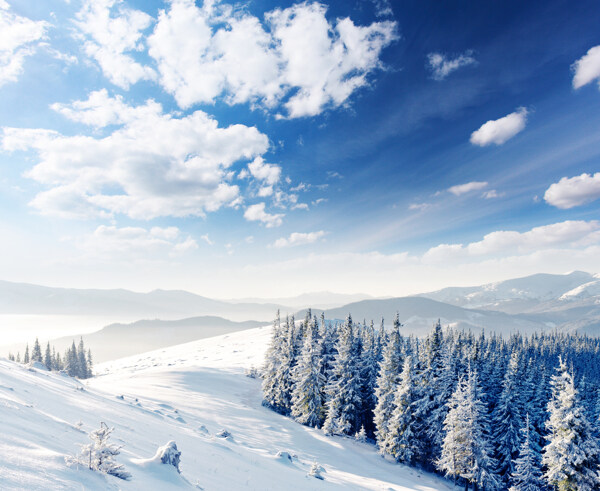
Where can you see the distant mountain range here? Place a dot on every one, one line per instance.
(541, 302)
(568, 303)
(23, 298)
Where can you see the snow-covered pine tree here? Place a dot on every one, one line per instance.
(466, 451)
(343, 406)
(430, 410)
(277, 377)
(71, 361)
(99, 455)
(81, 361)
(507, 420)
(26, 355)
(36, 352)
(389, 370)
(309, 381)
(527, 474)
(571, 456)
(90, 363)
(401, 442)
(48, 357)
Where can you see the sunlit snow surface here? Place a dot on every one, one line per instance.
(186, 393)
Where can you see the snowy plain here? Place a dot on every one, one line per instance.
(187, 393)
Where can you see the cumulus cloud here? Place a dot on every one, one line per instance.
(110, 33)
(500, 130)
(136, 241)
(302, 60)
(298, 238)
(572, 233)
(153, 164)
(268, 173)
(19, 38)
(574, 191)
(460, 189)
(587, 68)
(441, 65)
(257, 213)
(101, 110)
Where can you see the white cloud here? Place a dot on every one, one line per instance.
(269, 173)
(205, 52)
(101, 110)
(441, 65)
(418, 206)
(110, 241)
(109, 38)
(504, 243)
(298, 238)
(574, 191)
(206, 239)
(257, 212)
(152, 165)
(491, 194)
(587, 68)
(467, 187)
(19, 37)
(500, 130)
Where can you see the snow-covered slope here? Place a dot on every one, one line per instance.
(186, 393)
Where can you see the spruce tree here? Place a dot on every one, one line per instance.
(307, 394)
(401, 442)
(571, 456)
(527, 474)
(344, 404)
(26, 355)
(277, 370)
(389, 370)
(508, 420)
(36, 352)
(48, 357)
(82, 365)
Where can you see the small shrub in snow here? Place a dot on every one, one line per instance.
(252, 372)
(169, 454)
(223, 434)
(315, 471)
(99, 455)
(283, 455)
(361, 436)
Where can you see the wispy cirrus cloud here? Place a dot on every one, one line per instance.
(442, 65)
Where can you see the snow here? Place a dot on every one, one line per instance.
(590, 289)
(186, 394)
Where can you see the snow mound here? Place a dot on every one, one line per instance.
(587, 290)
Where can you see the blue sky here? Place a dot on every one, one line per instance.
(273, 148)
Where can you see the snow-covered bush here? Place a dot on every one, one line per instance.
(169, 454)
(252, 372)
(99, 455)
(315, 471)
(223, 434)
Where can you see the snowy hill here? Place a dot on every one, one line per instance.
(186, 393)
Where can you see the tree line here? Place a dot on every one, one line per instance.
(490, 413)
(76, 361)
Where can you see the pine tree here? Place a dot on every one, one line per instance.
(48, 357)
(527, 474)
(343, 407)
(26, 355)
(466, 451)
(90, 363)
(99, 455)
(401, 442)
(82, 366)
(36, 353)
(389, 370)
(571, 456)
(277, 383)
(307, 394)
(507, 420)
